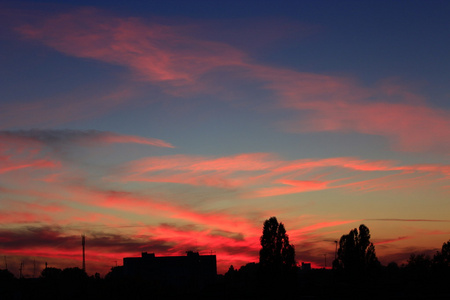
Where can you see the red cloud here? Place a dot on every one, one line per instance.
(229, 248)
(128, 202)
(18, 217)
(45, 242)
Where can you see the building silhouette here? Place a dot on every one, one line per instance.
(306, 266)
(190, 271)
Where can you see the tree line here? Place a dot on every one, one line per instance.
(356, 273)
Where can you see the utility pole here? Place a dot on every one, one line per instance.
(325, 255)
(83, 242)
(20, 270)
(6, 265)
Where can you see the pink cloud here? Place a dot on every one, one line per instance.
(322, 225)
(239, 162)
(172, 57)
(17, 155)
(15, 212)
(395, 182)
(119, 138)
(213, 230)
(142, 205)
(8, 166)
(293, 187)
(156, 52)
(260, 174)
(403, 124)
(19, 217)
(224, 172)
(336, 104)
(341, 162)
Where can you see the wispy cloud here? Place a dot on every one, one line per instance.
(408, 220)
(293, 187)
(328, 103)
(389, 241)
(147, 204)
(81, 137)
(265, 175)
(6, 165)
(144, 205)
(60, 109)
(171, 57)
(155, 52)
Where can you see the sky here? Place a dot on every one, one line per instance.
(168, 126)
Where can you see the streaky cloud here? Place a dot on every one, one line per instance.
(266, 175)
(175, 60)
(408, 220)
(389, 241)
(82, 137)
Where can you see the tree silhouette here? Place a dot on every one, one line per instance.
(276, 252)
(51, 273)
(443, 257)
(441, 262)
(356, 254)
(6, 275)
(73, 274)
(115, 274)
(418, 268)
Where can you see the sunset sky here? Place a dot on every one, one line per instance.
(167, 126)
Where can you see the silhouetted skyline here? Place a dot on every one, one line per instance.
(356, 270)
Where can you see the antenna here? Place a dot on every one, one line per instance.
(83, 242)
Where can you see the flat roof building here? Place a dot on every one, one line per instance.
(193, 270)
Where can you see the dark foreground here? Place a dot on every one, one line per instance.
(392, 283)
